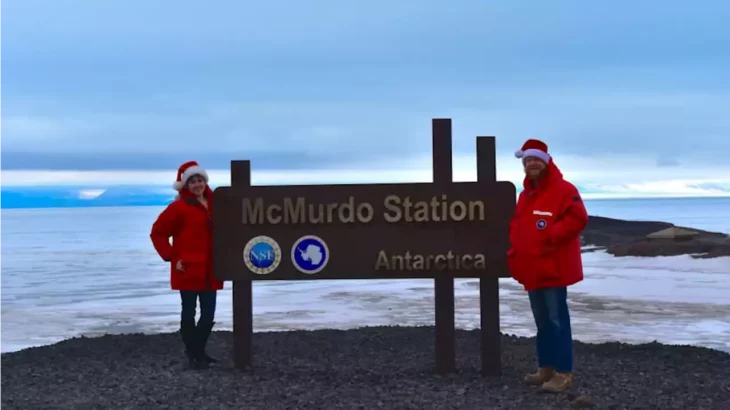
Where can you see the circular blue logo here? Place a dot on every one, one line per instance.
(310, 254)
(262, 255)
(541, 224)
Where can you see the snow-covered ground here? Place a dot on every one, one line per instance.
(69, 272)
(672, 300)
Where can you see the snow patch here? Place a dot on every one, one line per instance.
(90, 193)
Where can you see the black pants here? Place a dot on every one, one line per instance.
(189, 300)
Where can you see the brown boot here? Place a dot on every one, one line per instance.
(542, 375)
(558, 383)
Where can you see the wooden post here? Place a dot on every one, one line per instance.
(242, 289)
(491, 339)
(443, 285)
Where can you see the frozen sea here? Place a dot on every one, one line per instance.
(89, 271)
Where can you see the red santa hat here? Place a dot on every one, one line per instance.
(186, 171)
(533, 148)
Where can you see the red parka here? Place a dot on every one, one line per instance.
(545, 233)
(190, 225)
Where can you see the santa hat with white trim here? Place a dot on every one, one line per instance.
(186, 171)
(533, 148)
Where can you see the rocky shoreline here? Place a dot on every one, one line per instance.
(629, 238)
(368, 368)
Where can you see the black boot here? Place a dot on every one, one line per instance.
(188, 335)
(203, 332)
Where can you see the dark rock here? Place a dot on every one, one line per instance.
(628, 238)
(379, 367)
(581, 402)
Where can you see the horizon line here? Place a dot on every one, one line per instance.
(92, 205)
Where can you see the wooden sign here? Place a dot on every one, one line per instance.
(440, 230)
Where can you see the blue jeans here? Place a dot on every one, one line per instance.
(554, 336)
(189, 300)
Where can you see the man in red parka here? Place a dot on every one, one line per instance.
(545, 257)
(188, 221)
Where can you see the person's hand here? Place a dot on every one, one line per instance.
(179, 266)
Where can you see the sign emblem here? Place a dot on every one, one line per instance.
(541, 223)
(310, 254)
(262, 255)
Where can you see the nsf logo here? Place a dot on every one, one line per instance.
(262, 255)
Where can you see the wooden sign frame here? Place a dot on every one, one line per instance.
(486, 236)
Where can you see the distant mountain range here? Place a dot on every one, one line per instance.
(74, 197)
(15, 197)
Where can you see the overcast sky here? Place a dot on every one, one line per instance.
(145, 85)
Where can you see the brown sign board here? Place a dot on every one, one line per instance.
(374, 231)
(440, 230)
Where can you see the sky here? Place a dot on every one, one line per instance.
(628, 95)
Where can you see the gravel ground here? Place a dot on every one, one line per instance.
(370, 368)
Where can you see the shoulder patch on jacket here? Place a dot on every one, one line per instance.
(576, 199)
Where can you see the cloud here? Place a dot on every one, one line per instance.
(330, 134)
(147, 85)
(667, 162)
(596, 179)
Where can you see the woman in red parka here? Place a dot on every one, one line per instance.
(188, 221)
